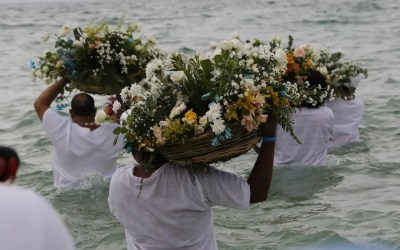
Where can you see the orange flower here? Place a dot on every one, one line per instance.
(309, 63)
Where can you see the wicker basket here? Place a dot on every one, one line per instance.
(199, 150)
(97, 89)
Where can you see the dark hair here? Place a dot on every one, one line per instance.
(7, 153)
(83, 105)
(315, 78)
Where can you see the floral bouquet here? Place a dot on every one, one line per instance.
(302, 64)
(97, 59)
(206, 108)
(342, 73)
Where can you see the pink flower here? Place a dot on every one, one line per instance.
(299, 53)
(248, 122)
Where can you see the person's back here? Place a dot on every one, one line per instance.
(348, 115)
(172, 208)
(80, 146)
(78, 150)
(27, 221)
(313, 127)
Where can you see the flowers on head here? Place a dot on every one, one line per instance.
(97, 55)
(183, 96)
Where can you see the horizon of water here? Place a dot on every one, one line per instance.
(353, 203)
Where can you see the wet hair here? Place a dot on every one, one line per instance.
(316, 78)
(83, 105)
(7, 153)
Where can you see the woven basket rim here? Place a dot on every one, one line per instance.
(199, 150)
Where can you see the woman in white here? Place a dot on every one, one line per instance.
(348, 111)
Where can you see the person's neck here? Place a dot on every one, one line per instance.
(84, 121)
(348, 97)
(144, 169)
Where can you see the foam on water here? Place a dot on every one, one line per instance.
(353, 203)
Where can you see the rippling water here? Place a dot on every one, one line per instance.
(352, 203)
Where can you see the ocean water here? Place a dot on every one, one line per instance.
(353, 203)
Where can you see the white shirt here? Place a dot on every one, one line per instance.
(348, 115)
(78, 150)
(173, 210)
(27, 221)
(313, 127)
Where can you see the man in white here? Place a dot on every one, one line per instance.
(27, 221)
(80, 145)
(169, 207)
(348, 111)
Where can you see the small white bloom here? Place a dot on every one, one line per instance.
(66, 28)
(178, 76)
(323, 70)
(116, 106)
(213, 45)
(152, 40)
(226, 45)
(77, 44)
(235, 35)
(218, 126)
(203, 120)
(45, 36)
(237, 44)
(100, 117)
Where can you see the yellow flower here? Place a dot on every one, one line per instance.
(231, 113)
(274, 96)
(191, 117)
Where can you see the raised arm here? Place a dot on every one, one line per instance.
(44, 100)
(261, 174)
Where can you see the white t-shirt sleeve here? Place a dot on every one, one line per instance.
(54, 124)
(225, 189)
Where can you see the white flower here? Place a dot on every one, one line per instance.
(136, 27)
(203, 120)
(177, 110)
(323, 70)
(237, 44)
(116, 106)
(152, 40)
(235, 35)
(226, 45)
(77, 44)
(66, 28)
(214, 112)
(281, 57)
(178, 76)
(100, 117)
(213, 45)
(45, 36)
(218, 126)
(276, 38)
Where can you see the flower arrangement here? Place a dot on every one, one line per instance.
(341, 72)
(98, 59)
(183, 97)
(303, 66)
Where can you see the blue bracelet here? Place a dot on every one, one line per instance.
(269, 139)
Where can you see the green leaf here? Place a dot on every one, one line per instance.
(207, 66)
(117, 131)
